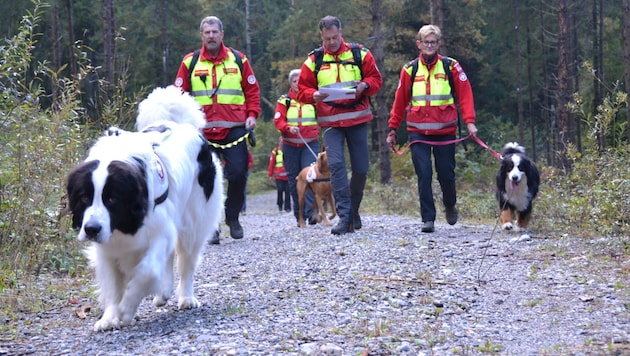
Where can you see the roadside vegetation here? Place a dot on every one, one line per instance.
(40, 144)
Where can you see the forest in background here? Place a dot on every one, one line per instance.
(526, 59)
(549, 74)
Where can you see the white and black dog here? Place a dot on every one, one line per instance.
(139, 197)
(517, 185)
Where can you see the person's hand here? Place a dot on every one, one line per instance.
(294, 130)
(472, 129)
(319, 97)
(392, 138)
(250, 123)
(361, 87)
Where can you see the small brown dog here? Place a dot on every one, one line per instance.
(316, 177)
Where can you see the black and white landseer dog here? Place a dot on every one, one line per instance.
(139, 197)
(517, 186)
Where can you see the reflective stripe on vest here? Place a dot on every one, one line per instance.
(432, 126)
(438, 82)
(298, 113)
(226, 124)
(344, 116)
(222, 84)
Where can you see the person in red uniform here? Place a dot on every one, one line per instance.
(342, 121)
(300, 140)
(432, 116)
(223, 82)
(278, 173)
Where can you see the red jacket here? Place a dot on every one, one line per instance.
(308, 85)
(276, 171)
(431, 114)
(215, 112)
(309, 132)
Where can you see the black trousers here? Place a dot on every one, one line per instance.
(234, 171)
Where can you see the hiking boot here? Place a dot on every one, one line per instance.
(342, 228)
(214, 240)
(427, 226)
(451, 215)
(236, 230)
(356, 221)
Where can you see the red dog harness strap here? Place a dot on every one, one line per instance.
(449, 142)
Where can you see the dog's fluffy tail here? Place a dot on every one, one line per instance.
(169, 104)
(512, 147)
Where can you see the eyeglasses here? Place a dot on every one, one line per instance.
(430, 43)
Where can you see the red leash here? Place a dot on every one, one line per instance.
(443, 143)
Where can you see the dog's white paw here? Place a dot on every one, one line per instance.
(107, 323)
(508, 226)
(188, 303)
(159, 300)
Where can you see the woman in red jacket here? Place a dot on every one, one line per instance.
(432, 116)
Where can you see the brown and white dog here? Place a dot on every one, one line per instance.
(316, 177)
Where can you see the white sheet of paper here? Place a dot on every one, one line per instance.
(338, 93)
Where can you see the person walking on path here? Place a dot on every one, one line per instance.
(349, 72)
(428, 95)
(278, 173)
(222, 80)
(297, 123)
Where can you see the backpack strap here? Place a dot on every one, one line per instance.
(195, 59)
(193, 62)
(318, 54)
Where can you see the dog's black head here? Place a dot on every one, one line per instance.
(104, 199)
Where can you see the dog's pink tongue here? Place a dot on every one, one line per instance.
(513, 184)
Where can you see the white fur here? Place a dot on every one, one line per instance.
(129, 268)
(516, 186)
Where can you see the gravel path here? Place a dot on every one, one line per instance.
(385, 290)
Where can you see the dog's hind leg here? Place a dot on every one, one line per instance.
(301, 190)
(165, 293)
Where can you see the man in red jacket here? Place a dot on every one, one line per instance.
(223, 82)
(348, 70)
(432, 116)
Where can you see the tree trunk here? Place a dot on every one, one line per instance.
(164, 29)
(564, 81)
(73, 59)
(380, 133)
(56, 53)
(518, 81)
(248, 32)
(530, 89)
(437, 13)
(598, 65)
(626, 57)
(108, 46)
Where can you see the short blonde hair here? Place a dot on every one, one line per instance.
(427, 30)
(294, 73)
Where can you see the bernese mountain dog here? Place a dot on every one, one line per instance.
(517, 182)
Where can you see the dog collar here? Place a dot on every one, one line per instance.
(160, 179)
